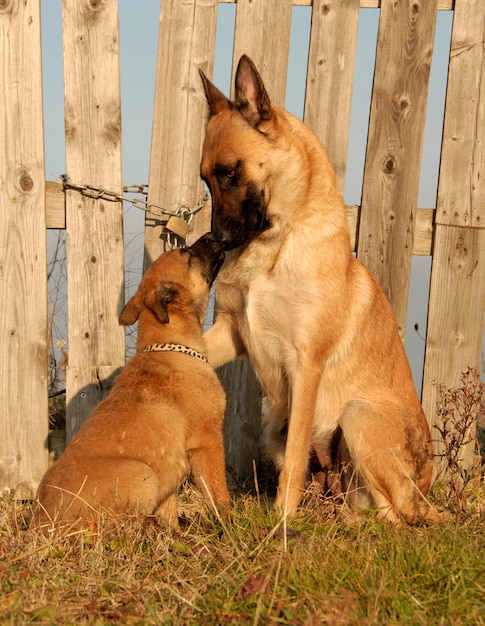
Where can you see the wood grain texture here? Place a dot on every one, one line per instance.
(457, 290)
(393, 157)
(330, 77)
(455, 315)
(95, 271)
(55, 205)
(242, 424)
(266, 41)
(186, 43)
(265, 38)
(443, 5)
(462, 184)
(23, 293)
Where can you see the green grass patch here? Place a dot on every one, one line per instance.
(248, 569)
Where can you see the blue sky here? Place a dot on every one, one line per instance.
(139, 22)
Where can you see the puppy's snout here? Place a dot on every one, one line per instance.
(208, 240)
(210, 251)
(208, 246)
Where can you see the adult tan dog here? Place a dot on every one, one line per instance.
(315, 324)
(163, 419)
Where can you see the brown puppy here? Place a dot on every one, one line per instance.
(314, 322)
(164, 416)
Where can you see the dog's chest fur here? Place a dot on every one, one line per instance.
(268, 303)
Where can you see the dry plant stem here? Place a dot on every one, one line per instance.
(457, 411)
(256, 483)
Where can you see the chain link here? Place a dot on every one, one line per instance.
(98, 193)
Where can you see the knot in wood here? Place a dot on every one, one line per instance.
(5, 6)
(96, 5)
(26, 182)
(93, 8)
(388, 165)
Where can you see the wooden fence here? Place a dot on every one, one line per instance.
(387, 230)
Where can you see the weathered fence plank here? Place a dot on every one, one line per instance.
(457, 291)
(23, 276)
(95, 271)
(443, 5)
(266, 41)
(393, 158)
(330, 77)
(186, 43)
(55, 205)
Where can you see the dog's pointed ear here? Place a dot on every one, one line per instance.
(166, 293)
(251, 98)
(130, 312)
(216, 99)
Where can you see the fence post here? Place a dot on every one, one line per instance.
(457, 290)
(186, 42)
(394, 147)
(23, 273)
(95, 271)
(267, 41)
(330, 77)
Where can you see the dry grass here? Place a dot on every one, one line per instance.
(246, 569)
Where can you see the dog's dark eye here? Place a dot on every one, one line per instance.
(228, 175)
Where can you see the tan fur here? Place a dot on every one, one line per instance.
(315, 324)
(161, 422)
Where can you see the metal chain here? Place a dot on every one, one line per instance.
(98, 193)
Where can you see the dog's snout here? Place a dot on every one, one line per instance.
(207, 244)
(210, 251)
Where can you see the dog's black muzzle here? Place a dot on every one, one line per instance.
(210, 251)
(238, 223)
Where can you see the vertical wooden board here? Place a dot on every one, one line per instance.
(95, 272)
(393, 159)
(461, 185)
(55, 205)
(265, 38)
(186, 43)
(457, 293)
(242, 425)
(328, 99)
(456, 310)
(263, 33)
(243, 419)
(92, 384)
(23, 279)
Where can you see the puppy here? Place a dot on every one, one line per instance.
(319, 332)
(162, 421)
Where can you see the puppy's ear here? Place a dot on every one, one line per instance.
(251, 97)
(130, 313)
(216, 99)
(166, 293)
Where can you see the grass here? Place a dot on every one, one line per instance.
(247, 570)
